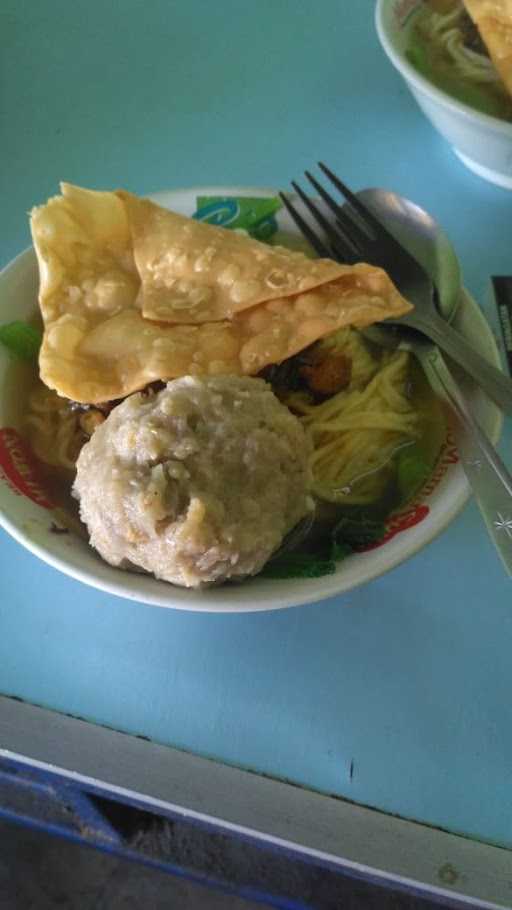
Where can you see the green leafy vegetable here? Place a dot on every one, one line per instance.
(412, 471)
(349, 534)
(357, 532)
(340, 550)
(298, 565)
(21, 339)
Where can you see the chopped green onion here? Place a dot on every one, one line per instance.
(21, 339)
(349, 534)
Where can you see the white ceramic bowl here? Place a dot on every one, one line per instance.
(26, 514)
(483, 143)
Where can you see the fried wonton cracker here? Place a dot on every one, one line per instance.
(98, 342)
(194, 272)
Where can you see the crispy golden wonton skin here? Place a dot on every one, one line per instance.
(131, 293)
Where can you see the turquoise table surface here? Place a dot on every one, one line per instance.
(407, 681)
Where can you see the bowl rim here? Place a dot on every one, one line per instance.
(271, 594)
(422, 84)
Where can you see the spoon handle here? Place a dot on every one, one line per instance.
(490, 480)
(489, 378)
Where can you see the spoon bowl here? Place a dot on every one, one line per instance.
(421, 235)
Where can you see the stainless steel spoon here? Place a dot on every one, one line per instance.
(422, 237)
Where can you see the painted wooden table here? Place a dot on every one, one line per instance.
(397, 695)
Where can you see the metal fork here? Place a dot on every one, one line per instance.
(357, 235)
(489, 478)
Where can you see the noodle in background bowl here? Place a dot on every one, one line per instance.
(26, 512)
(483, 143)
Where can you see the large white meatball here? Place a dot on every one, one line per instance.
(196, 483)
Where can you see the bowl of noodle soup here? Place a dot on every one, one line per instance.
(445, 65)
(387, 410)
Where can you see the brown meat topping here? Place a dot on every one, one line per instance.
(328, 375)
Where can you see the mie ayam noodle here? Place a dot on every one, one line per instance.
(133, 295)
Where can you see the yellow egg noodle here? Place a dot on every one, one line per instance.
(356, 432)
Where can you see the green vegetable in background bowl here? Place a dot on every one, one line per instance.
(21, 339)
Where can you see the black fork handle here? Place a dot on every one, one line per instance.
(496, 385)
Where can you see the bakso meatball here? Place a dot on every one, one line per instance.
(196, 483)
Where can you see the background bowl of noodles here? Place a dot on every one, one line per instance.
(455, 85)
(33, 505)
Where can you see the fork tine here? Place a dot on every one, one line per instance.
(367, 216)
(305, 229)
(357, 236)
(341, 244)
